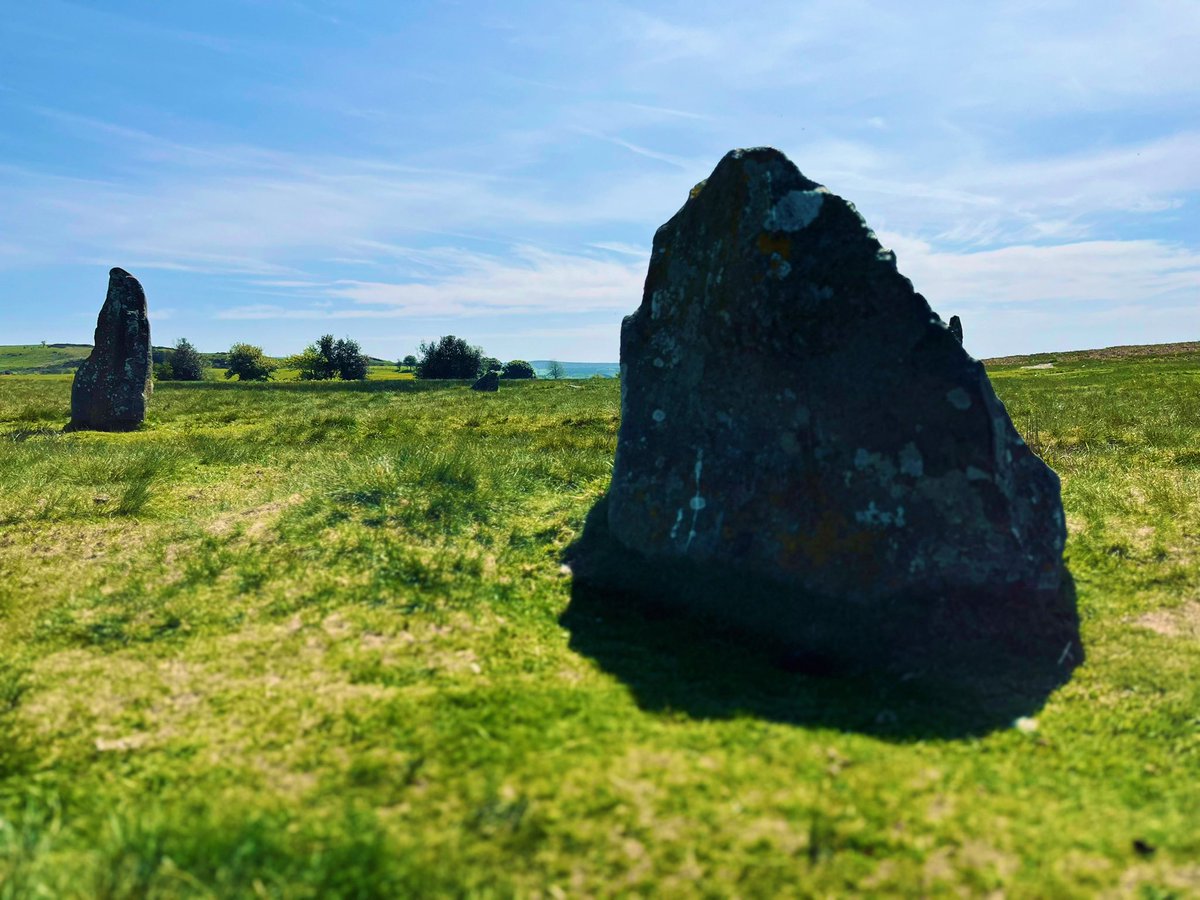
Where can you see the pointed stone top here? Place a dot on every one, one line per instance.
(955, 326)
(763, 157)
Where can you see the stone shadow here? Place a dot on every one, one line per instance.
(973, 666)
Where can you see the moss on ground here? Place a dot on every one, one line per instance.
(304, 640)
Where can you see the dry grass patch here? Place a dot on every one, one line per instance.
(1182, 621)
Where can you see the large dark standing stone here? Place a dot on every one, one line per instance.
(794, 414)
(490, 381)
(112, 385)
(955, 327)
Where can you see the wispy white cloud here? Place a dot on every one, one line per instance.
(1024, 156)
(141, 28)
(238, 209)
(1015, 56)
(624, 249)
(988, 202)
(669, 158)
(667, 111)
(1102, 273)
(530, 281)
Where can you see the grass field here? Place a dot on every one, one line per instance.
(305, 640)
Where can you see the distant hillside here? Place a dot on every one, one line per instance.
(56, 359)
(34, 359)
(577, 369)
(1126, 351)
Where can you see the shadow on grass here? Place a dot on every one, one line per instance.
(950, 669)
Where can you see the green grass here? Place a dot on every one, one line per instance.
(306, 640)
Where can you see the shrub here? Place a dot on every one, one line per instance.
(491, 364)
(248, 363)
(450, 357)
(185, 362)
(350, 361)
(328, 359)
(517, 368)
(163, 371)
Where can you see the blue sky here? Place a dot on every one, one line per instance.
(272, 170)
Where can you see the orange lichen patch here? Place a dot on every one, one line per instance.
(830, 541)
(781, 245)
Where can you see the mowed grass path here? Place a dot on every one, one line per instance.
(303, 640)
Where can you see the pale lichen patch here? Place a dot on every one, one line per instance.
(794, 211)
(958, 398)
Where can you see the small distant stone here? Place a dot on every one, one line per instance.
(489, 382)
(112, 385)
(1026, 725)
(955, 327)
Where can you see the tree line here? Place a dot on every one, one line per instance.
(448, 357)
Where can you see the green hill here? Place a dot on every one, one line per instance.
(1122, 352)
(42, 359)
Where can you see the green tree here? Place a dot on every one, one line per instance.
(350, 361)
(490, 364)
(310, 364)
(554, 369)
(248, 363)
(409, 362)
(316, 363)
(185, 362)
(328, 359)
(517, 368)
(449, 357)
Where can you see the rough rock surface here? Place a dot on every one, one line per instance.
(112, 385)
(488, 382)
(955, 327)
(793, 409)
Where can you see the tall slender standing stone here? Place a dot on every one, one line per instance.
(112, 385)
(955, 327)
(792, 409)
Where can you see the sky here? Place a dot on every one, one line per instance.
(273, 170)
